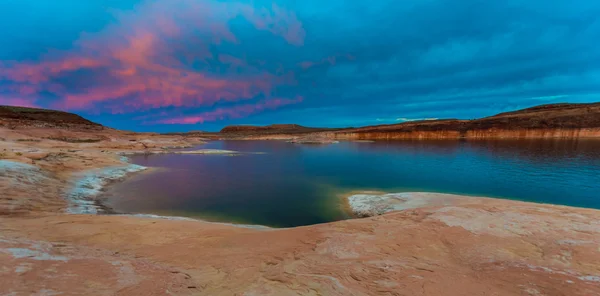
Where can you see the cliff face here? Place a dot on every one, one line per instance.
(546, 121)
(471, 134)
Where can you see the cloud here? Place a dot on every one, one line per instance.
(330, 60)
(403, 119)
(436, 58)
(155, 56)
(238, 111)
(351, 61)
(414, 119)
(15, 101)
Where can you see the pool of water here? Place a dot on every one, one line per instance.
(291, 184)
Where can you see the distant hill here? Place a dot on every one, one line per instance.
(33, 117)
(273, 128)
(544, 121)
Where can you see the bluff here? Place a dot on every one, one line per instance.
(545, 121)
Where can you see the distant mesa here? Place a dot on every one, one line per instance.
(188, 133)
(272, 127)
(545, 121)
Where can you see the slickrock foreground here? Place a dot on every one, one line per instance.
(432, 244)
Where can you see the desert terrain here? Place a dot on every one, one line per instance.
(55, 238)
(554, 121)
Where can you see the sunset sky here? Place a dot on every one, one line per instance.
(179, 65)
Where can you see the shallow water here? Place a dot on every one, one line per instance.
(293, 184)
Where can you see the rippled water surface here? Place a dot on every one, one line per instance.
(292, 184)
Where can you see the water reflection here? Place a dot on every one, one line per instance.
(287, 185)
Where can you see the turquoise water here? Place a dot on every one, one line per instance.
(293, 184)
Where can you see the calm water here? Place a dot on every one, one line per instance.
(294, 184)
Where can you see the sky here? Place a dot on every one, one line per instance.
(181, 65)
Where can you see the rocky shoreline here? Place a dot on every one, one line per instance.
(198, 152)
(368, 204)
(88, 185)
(85, 195)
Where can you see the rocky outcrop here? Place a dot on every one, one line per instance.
(367, 204)
(16, 117)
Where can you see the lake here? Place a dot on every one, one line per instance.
(291, 184)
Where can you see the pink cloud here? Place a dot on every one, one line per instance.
(231, 112)
(12, 101)
(136, 62)
(306, 64)
(36, 73)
